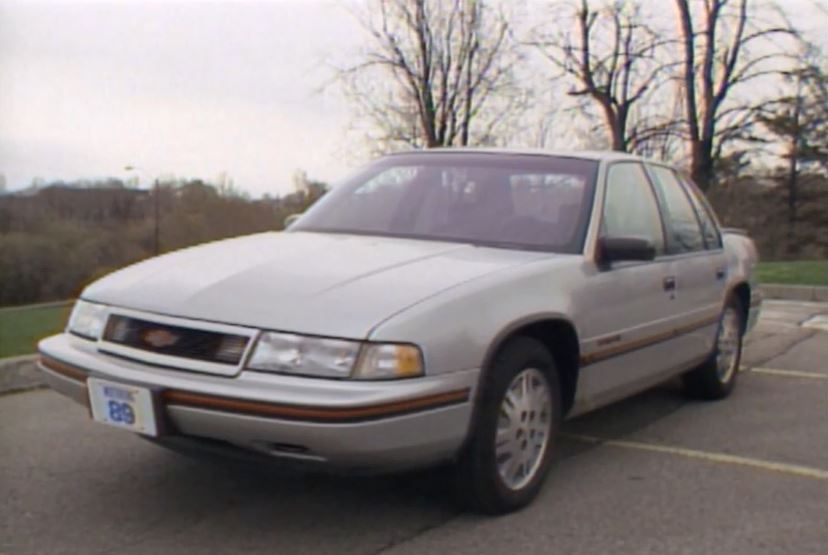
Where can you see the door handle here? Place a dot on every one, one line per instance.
(721, 272)
(670, 283)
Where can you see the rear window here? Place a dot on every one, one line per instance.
(682, 225)
(712, 236)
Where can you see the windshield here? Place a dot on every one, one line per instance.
(507, 200)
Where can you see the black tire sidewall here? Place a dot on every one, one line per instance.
(727, 386)
(704, 382)
(480, 476)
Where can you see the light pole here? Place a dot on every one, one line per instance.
(155, 198)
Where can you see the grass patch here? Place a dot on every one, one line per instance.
(21, 328)
(800, 272)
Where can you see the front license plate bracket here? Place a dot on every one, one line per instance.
(122, 405)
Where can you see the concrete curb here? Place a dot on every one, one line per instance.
(795, 292)
(50, 304)
(19, 373)
(13, 360)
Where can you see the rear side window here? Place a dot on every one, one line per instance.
(683, 231)
(710, 230)
(630, 209)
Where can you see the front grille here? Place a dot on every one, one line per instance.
(175, 340)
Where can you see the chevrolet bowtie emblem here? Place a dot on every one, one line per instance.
(160, 338)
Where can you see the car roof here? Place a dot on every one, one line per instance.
(598, 155)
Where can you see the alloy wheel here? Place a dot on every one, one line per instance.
(523, 429)
(727, 344)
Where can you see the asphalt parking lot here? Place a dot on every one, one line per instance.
(654, 474)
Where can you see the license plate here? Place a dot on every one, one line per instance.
(123, 406)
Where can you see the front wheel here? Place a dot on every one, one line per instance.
(508, 455)
(716, 377)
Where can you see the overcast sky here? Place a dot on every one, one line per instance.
(186, 88)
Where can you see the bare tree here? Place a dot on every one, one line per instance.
(798, 121)
(717, 40)
(613, 58)
(436, 73)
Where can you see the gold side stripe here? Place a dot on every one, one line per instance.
(634, 345)
(297, 412)
(325, 414)
(66, 370)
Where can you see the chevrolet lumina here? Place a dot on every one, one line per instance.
(443, 306)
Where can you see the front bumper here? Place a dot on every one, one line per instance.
(347, 424)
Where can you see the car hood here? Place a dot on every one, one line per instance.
(315, 283)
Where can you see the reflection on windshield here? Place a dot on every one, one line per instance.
(516, 201)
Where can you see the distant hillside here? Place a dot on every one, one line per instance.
(761, 207)
(57, 238)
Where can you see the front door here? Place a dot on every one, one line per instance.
(627, 336)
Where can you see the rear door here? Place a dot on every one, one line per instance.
(696, 261)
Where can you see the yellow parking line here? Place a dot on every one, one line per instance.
(789, 373)
(784, 468)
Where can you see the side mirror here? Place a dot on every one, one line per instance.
(290, 219)
(617, 249)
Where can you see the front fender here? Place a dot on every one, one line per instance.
(459, 328)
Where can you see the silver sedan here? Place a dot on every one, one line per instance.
(438, 306)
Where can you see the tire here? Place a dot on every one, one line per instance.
(716, 377)
(486, 485)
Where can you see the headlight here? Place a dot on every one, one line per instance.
(297, 354)
(87, 319)
(334, 358)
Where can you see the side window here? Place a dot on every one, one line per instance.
(630, 210)
(683, 231)
(710, 230)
